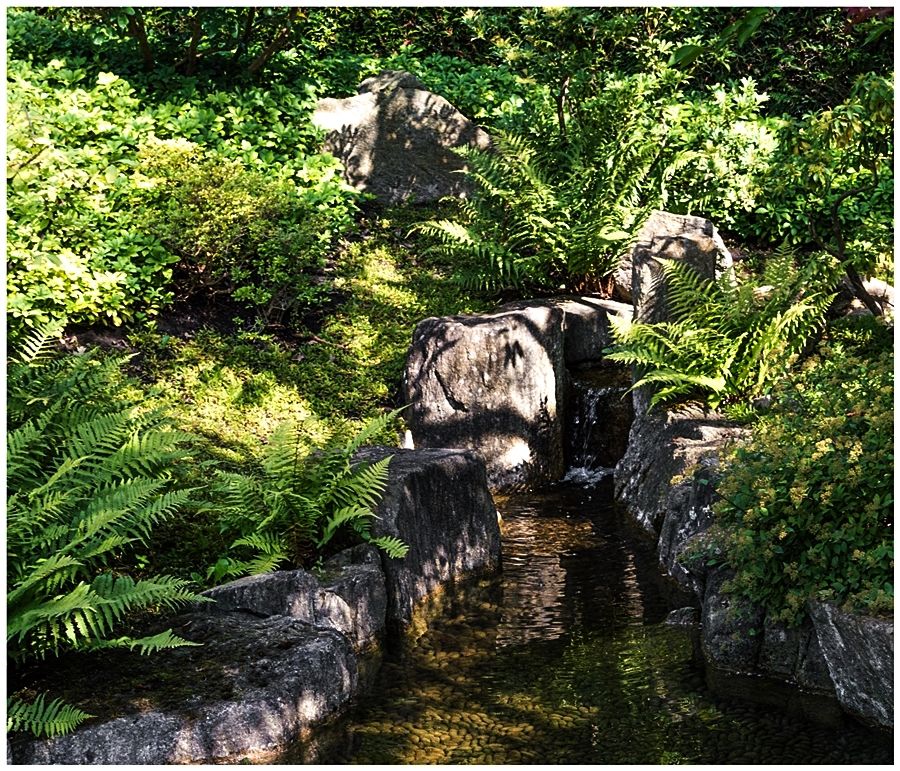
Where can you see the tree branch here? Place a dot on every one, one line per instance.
(245, 37)
(280, 40)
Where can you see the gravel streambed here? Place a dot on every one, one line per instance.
(566, 659)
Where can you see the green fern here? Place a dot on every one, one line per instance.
(726, 338)
(301, 499)
(551, 208)
(88, 475)
(51, 719)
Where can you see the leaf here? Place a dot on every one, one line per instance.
(686, 54)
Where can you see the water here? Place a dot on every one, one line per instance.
(565, 659)
(598, 416)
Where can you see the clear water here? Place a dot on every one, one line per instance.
(566, 659)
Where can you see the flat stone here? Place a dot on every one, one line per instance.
(285, 675)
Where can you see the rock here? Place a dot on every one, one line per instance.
(494, 383)
(732, 626)
(669, 236)
(282, 593)
(692, 240)
(683, 617)
(351, 598)
(395, 140)
(586, 327)
(438, 503)
(859, 652)
(284, 676)
(662, 445)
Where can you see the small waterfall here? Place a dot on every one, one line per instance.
(598, 421)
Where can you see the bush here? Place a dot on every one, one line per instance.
(807, 505)
(236, 231)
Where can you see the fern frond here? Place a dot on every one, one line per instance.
(53, 719)
(393, 547)
(162, 641)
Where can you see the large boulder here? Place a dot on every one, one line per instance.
(859, 651)
(655, 478)
(438, 503)
(255, 687)
(495, 383)
(694, 240)
(396, 140)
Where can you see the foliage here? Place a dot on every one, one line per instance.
(87, 478)
(560, 208)
(301, 499)
(807, 505)
(732, 146)
(236, 231)
(80, 243)
(727, 338)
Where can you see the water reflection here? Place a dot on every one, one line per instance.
(565, 660)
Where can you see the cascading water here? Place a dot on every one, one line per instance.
(599, 414)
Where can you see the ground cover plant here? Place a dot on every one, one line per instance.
(167, 197)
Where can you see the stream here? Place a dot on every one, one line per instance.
(565, 658)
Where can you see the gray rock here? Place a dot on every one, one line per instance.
(282, 593)
(353, 596)
(390, 80)
(683, 617)
(396, 140)
(284, 675)
(662, 445)
(585, 325)
(670, 236)
(859, 652)
(438, 503)
(732, 626)
(494, 383)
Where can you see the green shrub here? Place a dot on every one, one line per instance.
(729, 339)
(807, 508)
(301, 498)
(256, 238)
(88, 475)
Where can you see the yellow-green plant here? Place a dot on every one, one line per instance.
(807, 505)
(88, 475)
(729, 339)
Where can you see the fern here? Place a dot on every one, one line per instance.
(729, 339)
(300, 500)
(87, 477)
(52, 719)
(551, 208)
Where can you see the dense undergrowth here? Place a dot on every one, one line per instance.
(166, 193)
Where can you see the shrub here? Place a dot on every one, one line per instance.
(807, 505)
(88, 475)
(257, 238)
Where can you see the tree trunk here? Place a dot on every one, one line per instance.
(191, 67)
(137, 30)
